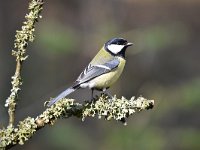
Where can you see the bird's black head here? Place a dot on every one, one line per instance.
(117, 46)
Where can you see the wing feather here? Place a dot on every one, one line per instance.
(92, 71)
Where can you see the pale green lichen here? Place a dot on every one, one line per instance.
(60, 109)
(25, 130)
(22, 37)
(114, 108)
(102, 106)
(12, 136)
(26, 35)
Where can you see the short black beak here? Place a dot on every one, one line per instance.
(129, 44)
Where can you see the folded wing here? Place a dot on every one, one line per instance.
(93, 71)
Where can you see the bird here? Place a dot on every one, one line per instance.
(104, 69)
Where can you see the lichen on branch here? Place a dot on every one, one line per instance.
(22, 37)
(101, 107)
(26, 34)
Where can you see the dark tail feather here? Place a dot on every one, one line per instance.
(62, 95)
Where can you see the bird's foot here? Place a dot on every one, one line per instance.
(110, 97)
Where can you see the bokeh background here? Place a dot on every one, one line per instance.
(164, 64)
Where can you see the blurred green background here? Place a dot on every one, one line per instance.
(162, 65)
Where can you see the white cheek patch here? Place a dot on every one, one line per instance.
(114, 48)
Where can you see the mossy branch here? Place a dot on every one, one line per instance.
(102, 107)
(25, 35)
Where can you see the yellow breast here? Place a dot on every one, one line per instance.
(106, 80)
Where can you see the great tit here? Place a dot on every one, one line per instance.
(104, 69)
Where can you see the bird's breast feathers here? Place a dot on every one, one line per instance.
(102, 71)
(107, 79)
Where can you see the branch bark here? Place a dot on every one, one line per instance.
(102, 107)
(21, 42)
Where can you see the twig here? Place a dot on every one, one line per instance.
(102, 107)
(21, 42)
(117, 109)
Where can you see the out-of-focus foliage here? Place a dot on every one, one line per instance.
(56, 38)
(69, 140)
(160, 36)
(190, 94)
(163, 65)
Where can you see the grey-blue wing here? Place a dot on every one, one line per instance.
(92, 71)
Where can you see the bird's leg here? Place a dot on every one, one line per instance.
(108, 94)
(92, 97)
